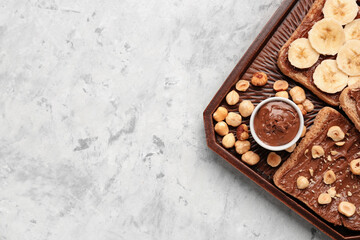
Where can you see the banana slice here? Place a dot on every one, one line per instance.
(354, 82)
(301, 54)
(327, 36)
(352, 30)
(328, 77)
(348, 58)
(343, 11)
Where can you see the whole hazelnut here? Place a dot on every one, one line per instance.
(302, 109)
(324, 198)
(302, 182)
(355, 166)
(297, 94)
(242, 132)
(220, 114)
(228, 140)
(303, 132)
(273, 159)
(336, 133)
(317, 151)
(308, 105)
(242, 146)
(246, 108)
(232, 98)
(346, 208)
(329, 177)
(233, 119)
(250, 158)
(221, 128)
(259, 79)
(283, 94)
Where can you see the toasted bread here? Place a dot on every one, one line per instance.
(301, 161)
(349, 106)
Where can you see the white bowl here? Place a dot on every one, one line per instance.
(285, 146)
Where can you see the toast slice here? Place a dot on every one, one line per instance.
(348, 104)
(336, 158)
(304, 76)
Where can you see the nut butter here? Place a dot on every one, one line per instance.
(276, 123)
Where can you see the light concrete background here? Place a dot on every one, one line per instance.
(101, 133)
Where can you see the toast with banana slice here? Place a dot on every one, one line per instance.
(324, 51)
(323, 171)
(350, 101)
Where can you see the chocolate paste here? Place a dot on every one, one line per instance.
(347, 185)
(276, 123)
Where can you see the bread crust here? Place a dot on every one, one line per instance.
(349, 106)
(297, 75)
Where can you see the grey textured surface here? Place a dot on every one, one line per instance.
(101, 122)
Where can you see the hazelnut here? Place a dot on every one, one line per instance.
(333, 153)
(346, 208)
(221, 128)
(329, 177)
(242, 85)
(242, 147)
(233, 119)
(336, 133)
(220, 114)
(349, 193)
(302, 109)
(302, 182)
(355, 166)
(324, 198)
(297, 94)
(291, 148)
(273, 159)
(317, 151)
(303, 132)
(246, 108)
(242, 132)
(228, 140)
(280, 85)
(340, 144)
(331, 192)
(232, 97)
(311, 171)
(250, 158)
(283, 94)
(308, 105)
(259, 79)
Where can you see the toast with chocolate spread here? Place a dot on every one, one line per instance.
(350, 103)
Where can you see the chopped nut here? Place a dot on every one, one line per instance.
(280, 85)
(273, 159)
(297, 94)
(291, 148)
(259, 79)
(221, 128)
(242, 147)
(250, 158)
(329, 177)
(303, 132)
(336, 133)
(246, 108)
(302, 182)
(242, 132)
(283, 94)
(232, 98)
(346, 208)
(308, 105)
(329, 158)
(302, 109)
(338, 195)
(355, 166)
(306, 151)
(333, 153)
(233, 119)
(349, 193)
(324, 198)
(311, 171)
(317, 151)
(242, 85)
(340, 144)
(332, 192)
(228, 140)
(220, 114)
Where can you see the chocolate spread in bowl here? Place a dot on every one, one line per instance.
(355, 94)
(276, 123)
